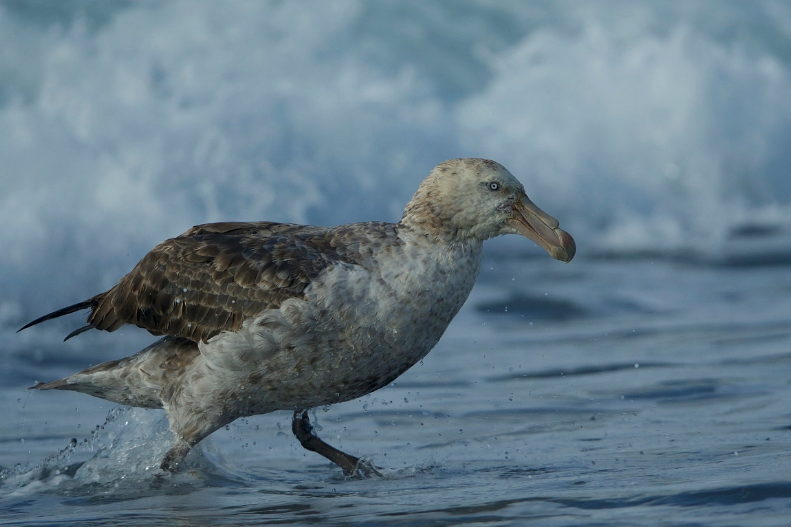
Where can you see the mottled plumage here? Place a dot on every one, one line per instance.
(264, 316)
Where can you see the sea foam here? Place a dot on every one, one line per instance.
(644, 127)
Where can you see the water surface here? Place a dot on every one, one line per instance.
(656, 395)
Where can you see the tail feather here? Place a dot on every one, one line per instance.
(87, 304)
(49, 385)
(77, 331)
(82, 381)
(137, 380)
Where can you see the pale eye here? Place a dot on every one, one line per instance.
(494, 185)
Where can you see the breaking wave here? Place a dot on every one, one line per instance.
(644, 127)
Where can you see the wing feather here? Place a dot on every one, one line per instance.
(214, 276)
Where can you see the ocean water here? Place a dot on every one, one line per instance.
(645, 383)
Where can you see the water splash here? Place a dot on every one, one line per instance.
(120, 457)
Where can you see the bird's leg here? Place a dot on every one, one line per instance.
(175, 456)
(307, 437)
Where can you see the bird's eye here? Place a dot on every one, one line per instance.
(494, 185)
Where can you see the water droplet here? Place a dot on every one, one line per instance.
(406, 400)
(636, 364)
(326, 408)
(184, 289)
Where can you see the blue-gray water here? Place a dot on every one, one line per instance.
(647, 382)
(595, 393)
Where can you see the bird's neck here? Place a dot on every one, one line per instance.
(436, 234)
(443, 242)
(423, 220)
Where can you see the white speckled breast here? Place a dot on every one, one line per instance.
(401, 307)
(360, 327)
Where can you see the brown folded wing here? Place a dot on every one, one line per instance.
(213, 277)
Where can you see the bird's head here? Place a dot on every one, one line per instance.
(478, 198)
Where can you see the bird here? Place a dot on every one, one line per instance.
(257, 317)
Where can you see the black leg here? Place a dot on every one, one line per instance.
(351, 465)
(175, 456)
